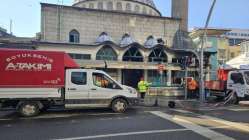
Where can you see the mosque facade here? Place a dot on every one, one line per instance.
(128, 39)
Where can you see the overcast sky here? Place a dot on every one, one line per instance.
(227, 14)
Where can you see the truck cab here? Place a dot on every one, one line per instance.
(93, 88)
(238, 82)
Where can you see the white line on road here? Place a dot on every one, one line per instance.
(124, 134)
(239, 109)
(206, 132)
(179, 110)
(236, 125)
(54, 116)
(135, 133)
(5, 119)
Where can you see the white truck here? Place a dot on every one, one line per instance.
(230, 81)
(31, 81)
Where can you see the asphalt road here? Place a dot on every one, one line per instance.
(140, 123)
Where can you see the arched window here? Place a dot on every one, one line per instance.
(110, 6)
(133, 54)
(74, 36)
(119, 6)
(100, 5)
(158, 55)
(106, 53)
(137, 9)
(128, 7)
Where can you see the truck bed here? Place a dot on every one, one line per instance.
(20, 93)
(215, 85)
(33, 69)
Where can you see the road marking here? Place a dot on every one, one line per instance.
(124, 134)
(239, 109)
(54, 116)
(236, 125)
(6, 119)
(179, 110)
(203, 131)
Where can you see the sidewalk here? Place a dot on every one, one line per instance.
(190, 104)
(163, 101)
(244, 103)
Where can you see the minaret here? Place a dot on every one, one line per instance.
(179, 9)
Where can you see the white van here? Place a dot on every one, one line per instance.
(83, 88)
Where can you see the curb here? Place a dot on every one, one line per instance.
(244, 103)
(163, 102)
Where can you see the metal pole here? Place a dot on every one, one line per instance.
(11, 24)
(204, 40)
(186, 83)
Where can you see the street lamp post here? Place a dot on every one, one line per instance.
(204, 41)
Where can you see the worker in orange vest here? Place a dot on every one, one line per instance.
(192, 88)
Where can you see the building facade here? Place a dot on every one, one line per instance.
(244, 47)
(216, 49)
(236, 36)
(126, 38)
(117, 36)
(4, 33)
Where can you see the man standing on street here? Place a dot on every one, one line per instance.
(142, 87)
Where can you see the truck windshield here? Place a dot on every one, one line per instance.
(247, 77)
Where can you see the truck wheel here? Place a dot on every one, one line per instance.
(119, 105)
(171, 104)
(236, 99)
(29, 109)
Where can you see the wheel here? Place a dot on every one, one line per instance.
(171, 104)
(236, 99)
(29, 109)
(119, 105)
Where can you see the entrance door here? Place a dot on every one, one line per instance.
(131, 77)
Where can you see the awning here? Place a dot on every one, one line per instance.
(239, 61)
(124, 65)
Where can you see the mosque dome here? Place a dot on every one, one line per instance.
(145, 7)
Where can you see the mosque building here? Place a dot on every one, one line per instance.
(126, 38)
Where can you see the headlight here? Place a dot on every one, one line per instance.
(132, 90)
